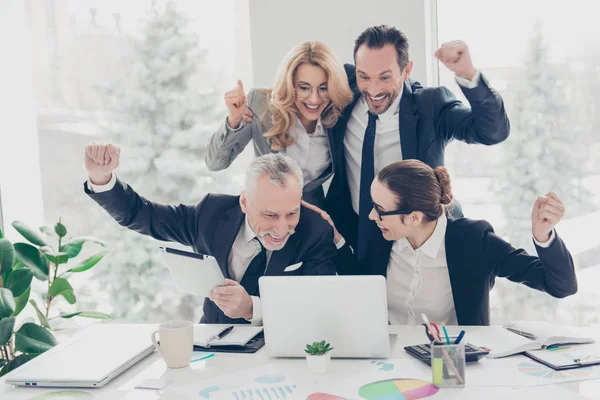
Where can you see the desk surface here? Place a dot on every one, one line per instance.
(153, 367)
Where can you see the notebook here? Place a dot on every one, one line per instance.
(567, 357)
(239, 336)
(521, 336)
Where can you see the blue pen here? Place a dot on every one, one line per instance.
(446, 334)
(459, 338)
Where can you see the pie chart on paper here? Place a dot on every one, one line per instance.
(398, 389)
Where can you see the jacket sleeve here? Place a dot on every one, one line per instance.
(485, 122)
(162, 222)
(552, 272)
(226, 144)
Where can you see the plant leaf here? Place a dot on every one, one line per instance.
(1, 235)
(88, 262)
(14, 364)
(32, 338)
(33, 259)
(6, 329)
(56, 257)
(85, 314)
(48, 230)
(62, 287)
(60, 230)
(43, 320)
(19, 281)
(7, 255)
(34, 236)
(7, 303)
(21, 302)
(74, 246)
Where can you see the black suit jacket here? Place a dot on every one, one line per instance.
(476, 256)
(211, 226)
(429, 119)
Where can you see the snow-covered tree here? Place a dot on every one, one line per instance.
(163, 120)
(544, 152)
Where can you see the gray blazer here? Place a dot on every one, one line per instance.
(226, 144)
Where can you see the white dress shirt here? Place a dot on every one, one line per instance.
(418, 280)
(311, 151)
(387, 138)
(244, 249)
(387, 142)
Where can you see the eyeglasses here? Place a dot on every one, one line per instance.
(304, 91)
(381, 214)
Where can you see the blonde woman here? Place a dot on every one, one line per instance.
(295, 117)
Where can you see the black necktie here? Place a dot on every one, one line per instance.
(367, 174)
(255, 270)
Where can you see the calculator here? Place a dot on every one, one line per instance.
(423, 352)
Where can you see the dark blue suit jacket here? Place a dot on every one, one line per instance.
(211, 226)
(429, 119)
(476, 256)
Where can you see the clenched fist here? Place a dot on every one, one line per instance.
(101, 159)
(456, 57)
(235, 100)
(547, 211)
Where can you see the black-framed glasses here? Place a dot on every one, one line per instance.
(304, 91)
(381, 214)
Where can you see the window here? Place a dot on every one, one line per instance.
(150, 77)
(544, 60)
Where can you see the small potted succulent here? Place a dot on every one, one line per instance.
(318, 356)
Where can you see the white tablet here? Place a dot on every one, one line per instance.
(193, 273)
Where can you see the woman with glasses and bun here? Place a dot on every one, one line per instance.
(295, 117)
(446, 267)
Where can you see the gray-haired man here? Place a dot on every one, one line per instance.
(264, 231)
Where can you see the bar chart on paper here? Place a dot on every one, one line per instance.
(270, 393)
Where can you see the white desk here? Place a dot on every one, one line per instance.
(153, 367)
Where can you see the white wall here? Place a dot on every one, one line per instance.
(19, 152)
(278, 25)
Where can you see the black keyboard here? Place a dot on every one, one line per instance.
(423, 352)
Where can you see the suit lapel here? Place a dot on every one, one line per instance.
(408, 123)
(280, 259)
(227, 230)
(460, 279)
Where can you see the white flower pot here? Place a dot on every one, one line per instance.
(318, 364)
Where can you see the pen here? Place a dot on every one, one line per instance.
(225, 332)
(446, 334)
(459, 338)
(446, 355)
(220, 335)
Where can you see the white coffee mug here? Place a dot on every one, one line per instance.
(176, 342)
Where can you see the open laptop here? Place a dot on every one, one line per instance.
(90, 359)
(349, 312)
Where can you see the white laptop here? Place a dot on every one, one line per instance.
(90, 359)
(349, 312)
(194, 273)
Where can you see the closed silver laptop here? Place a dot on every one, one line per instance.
(90, 359)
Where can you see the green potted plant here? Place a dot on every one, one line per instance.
(19, 264)
(318, 356)
(54, 265)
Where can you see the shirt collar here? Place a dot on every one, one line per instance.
(247, 233)
(432, 246)
(392, 111)
(301, 127)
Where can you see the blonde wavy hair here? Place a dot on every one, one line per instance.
(282, 96)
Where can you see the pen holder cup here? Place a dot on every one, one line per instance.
(448, 364)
